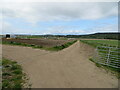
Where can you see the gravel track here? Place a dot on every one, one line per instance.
(68, 68)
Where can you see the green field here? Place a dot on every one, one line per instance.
(95, 43)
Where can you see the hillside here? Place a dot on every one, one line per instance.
(88, 36)
(98, 36)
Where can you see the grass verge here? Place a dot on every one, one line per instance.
(12, 75)
(114, 71)
(57, 48)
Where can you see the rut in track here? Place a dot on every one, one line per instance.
(68, 68)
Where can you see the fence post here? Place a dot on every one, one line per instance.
(108, 56)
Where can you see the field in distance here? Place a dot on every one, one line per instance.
(40, 42)
(46, 44)
(102, 42)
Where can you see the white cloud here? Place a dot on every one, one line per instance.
(106, 28)
(109, 28)
(60, 30)
(60, 0)
(63, 31)
(9, 28)
(63, 11)
(98, 28)
(35, 12)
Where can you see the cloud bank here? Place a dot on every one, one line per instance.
(35, 12)
(53, 11)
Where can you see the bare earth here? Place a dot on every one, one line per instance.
(69, 68)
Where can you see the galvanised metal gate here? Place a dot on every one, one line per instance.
(108, 55)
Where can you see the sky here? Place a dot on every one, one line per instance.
(58, 17)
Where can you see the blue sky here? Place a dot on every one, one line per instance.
(60, 18)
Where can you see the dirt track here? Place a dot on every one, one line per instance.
(69, 68)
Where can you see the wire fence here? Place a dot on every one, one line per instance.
(108, 55)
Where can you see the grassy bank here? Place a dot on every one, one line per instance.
(55, 48)
(12, 75)
(114, 71)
